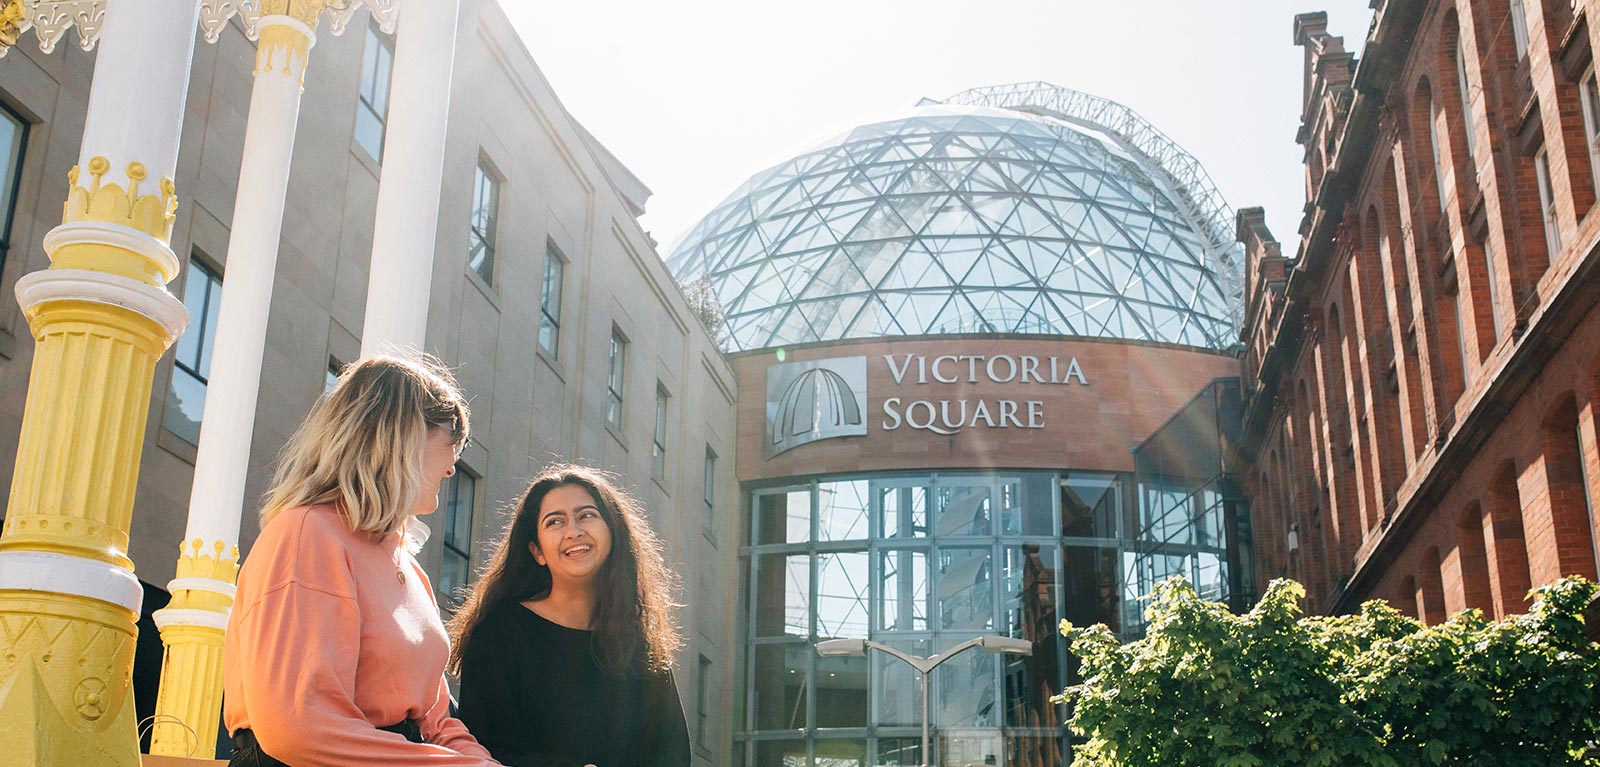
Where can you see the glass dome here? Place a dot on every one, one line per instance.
(1025, 209)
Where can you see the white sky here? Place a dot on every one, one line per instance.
(696, 96)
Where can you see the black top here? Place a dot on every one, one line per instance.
(533, 693)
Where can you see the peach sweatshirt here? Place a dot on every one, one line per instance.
(326, 644)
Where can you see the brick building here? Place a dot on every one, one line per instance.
(1422, 377)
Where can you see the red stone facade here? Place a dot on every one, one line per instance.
(1422, 377)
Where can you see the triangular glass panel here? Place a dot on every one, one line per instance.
(837, 277)
(843, 218)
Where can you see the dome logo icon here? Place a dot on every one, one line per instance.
(815, 400)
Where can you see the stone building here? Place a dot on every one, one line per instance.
(548, 299)
(985, 352)
(1421, 377)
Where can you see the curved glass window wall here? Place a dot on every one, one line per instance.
(922, 562)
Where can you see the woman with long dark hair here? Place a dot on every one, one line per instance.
(565, 645)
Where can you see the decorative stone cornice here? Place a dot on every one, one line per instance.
(215, 14)
(50, 20)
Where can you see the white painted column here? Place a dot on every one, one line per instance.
(131, 83)
(217, 498)
(407, 224)
(192, 625)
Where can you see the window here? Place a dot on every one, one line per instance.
(1519, 28)
(372, 112)
(658, 450)
(1438, 161)
(1468, 359)
(707, 522)
(550, 301)
(1466, 103)
(331, 377)
(1589, 96)
(1491, 286)
(619, 353)
(191, 367)
(702, 697)
(1585, 476)
(485, 213)
(1547, 204)
(13, 137)
(455, 572)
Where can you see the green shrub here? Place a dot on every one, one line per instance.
(1273, 687)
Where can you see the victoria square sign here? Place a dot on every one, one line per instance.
(827, 398)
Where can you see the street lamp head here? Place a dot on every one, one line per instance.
(997, 644)
(842, 647)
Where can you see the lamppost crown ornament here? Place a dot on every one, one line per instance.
(11, 16)
(108, 202)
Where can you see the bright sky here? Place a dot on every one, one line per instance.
(696, 96)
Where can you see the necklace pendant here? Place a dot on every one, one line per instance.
(400, 575)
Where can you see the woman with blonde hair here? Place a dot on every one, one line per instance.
(335, 652)
(565, 645)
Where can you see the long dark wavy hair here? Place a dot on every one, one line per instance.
(633, 629)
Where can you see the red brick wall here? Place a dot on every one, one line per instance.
(1424, 453)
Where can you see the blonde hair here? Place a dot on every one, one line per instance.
(361, 448)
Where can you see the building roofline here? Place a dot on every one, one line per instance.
(1194, 193)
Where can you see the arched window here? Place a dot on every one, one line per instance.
(1473, 561)
(1519, 28)
(1460, 301)
(1341, 446)
(1589, 100)
(1424, 92)
(1432, 591)
(1504, 543)
(1406, 600)
(1466, 99)
(1571, 508)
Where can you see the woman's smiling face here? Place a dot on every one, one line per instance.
(574, 539)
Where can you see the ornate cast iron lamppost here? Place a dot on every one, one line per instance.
(101, 316)
(991, 644)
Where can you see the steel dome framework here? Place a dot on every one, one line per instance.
(1020, 209)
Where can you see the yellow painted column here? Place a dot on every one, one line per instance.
(68, 596)
(193, 627)
(100, 318)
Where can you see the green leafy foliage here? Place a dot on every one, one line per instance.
(1274, 687)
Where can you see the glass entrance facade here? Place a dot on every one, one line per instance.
(921, 562)
(1015, 213)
